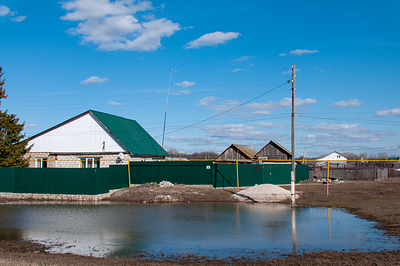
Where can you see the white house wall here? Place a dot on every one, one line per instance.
(83, 135)
(333, 157)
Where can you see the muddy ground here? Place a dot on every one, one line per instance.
(373, 200)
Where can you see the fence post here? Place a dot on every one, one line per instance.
(327, 181)
(129, 175)
(237, 174)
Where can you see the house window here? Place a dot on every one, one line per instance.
(90, 162)
(41, 163)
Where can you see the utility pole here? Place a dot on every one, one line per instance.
(293, 175)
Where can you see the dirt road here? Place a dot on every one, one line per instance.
(373, 200)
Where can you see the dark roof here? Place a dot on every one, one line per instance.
(280, 146)
(274, 143)
(127, 132)
(246, 150)
(249, 151)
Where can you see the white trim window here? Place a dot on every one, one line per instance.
(90, 163)
(41, 163)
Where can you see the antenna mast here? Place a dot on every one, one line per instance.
(165, 116)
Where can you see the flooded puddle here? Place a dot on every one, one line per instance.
(214, 230)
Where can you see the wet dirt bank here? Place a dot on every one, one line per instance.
(377, 201)
(373, 200)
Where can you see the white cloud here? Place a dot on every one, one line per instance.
(341, 133)
(206, 100)
(237, 69)
(180, 92)
(18, 19)
(178, 139)
(243, 58)
(94, 9)
(256, 108)
(261, 112)
(4, 10)
(225, 105)
(385, 112)
(30, 126)
(112, 25)
(287, 102)
(239, 132)
(348, 103)
(185, 84)
(197, 140)
(268, 125)
(303, 51)
(114, 103)
(337, 128)
(231, 102)
(212, 39)
(94, 79)
(282, 54)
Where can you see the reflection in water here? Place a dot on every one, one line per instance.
(10, 234)
(294, 240)
(215, 230)
(329, 225)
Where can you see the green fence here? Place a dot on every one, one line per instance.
(180, 172)
(216, 174)
(279, 174)
(74, 181)
(95, 181)
(252, 174)
(249, 175)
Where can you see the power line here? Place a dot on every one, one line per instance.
(226, 111)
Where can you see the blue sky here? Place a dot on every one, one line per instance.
(232, 60)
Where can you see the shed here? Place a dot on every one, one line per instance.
(274, 151)
(237, 152)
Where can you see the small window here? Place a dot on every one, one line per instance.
(90, 162)
(41, 163)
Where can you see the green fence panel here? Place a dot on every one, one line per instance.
(280, 174)
(267, 174)
(88, 181)
(102, 181)
(56, 181)
(6, 179)
(180, 172)
(226, 175)
(302, 173)
(115, 177)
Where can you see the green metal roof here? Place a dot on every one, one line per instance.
(130, 134)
